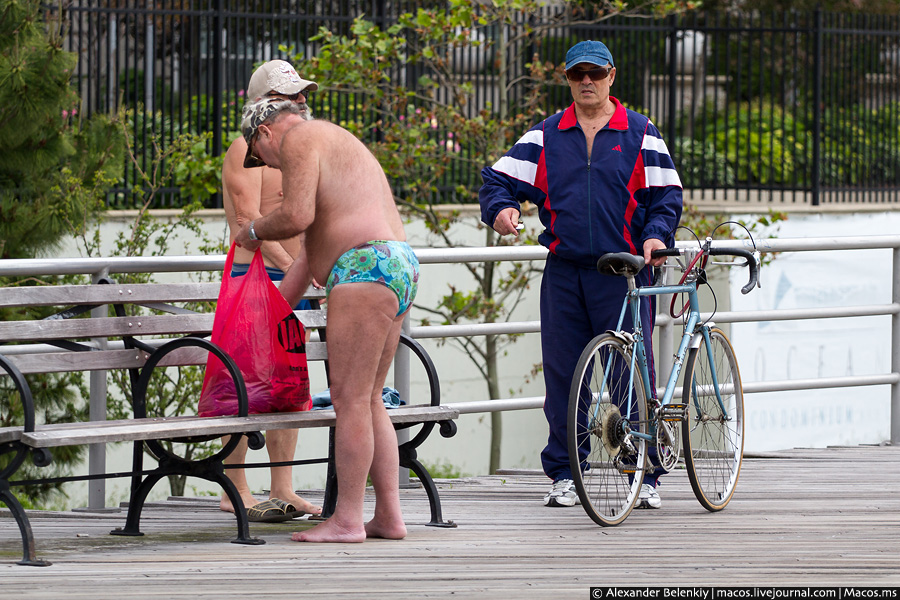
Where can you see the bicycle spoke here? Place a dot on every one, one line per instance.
(714, 429)
(607, 462)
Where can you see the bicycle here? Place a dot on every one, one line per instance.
(615, 425)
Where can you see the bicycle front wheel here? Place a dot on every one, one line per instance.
(713, 431)
(606, 405)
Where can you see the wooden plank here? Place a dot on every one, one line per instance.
(74, 434)
(136, 293)
(817, 517)
(10, 434)
(99, 360)
(141, 325)
(70, 295)
(73, 329)
(66, 362)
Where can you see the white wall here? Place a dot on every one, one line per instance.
(803, 349)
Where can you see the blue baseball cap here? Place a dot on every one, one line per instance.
(589, 51)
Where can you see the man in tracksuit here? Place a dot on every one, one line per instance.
(603, 181)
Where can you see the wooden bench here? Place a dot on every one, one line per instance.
(64, 343)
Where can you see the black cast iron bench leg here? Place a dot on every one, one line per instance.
(207, 469)
(28, 554)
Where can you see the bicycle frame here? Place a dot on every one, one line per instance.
(639, 358)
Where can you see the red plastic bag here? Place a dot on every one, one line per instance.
(256, 326)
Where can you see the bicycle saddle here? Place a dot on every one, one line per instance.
(620, 263)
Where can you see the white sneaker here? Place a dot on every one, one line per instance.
(649, 497)
(562, 494)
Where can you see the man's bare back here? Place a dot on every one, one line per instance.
(353, 203)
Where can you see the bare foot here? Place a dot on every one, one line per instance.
(329, 531)
(225, 503)
(299, 503)
(389, 531)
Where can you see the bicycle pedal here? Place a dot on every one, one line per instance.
(672, 412)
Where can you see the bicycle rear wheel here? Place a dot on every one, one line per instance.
(713, 431)
(607, 462)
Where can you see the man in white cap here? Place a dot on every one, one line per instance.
(337, 195)
(249, 194)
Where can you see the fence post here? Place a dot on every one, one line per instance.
(673, 88)
(895, 350)
(97, 452)
(817, 105)
(218, 68)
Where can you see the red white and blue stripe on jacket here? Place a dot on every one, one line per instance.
(626, 192)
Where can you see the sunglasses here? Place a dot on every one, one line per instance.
(595, 74)
(291, 97)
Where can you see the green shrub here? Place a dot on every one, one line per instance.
(859, 146)
(761, 140)
(701, 166)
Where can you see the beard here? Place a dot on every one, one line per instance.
(305, 111)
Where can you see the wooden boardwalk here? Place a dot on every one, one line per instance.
(828, 517)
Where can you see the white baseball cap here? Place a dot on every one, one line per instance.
(277, 76)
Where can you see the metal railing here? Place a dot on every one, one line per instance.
(666, 326)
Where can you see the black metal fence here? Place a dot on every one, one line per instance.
(793, 108)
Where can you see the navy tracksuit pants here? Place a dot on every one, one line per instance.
(577, 304)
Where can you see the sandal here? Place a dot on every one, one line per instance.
(290, 511)
(266, 512)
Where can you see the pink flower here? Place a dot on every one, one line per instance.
(241, 94)
(65, 114)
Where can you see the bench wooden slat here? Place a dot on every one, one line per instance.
(136, 293)
(100, 360)
(10, 434)
(67, 362)
(141, 325)
(72, 329)
(72, 434)
(198, 356)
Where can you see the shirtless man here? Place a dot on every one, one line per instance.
(336, 193)
(249, 194)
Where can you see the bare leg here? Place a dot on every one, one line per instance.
(281, 444)
(361, 320)
(388, 519)
(237, 476)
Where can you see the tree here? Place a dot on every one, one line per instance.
(55, 166)
(426, 127)
(41, 131)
